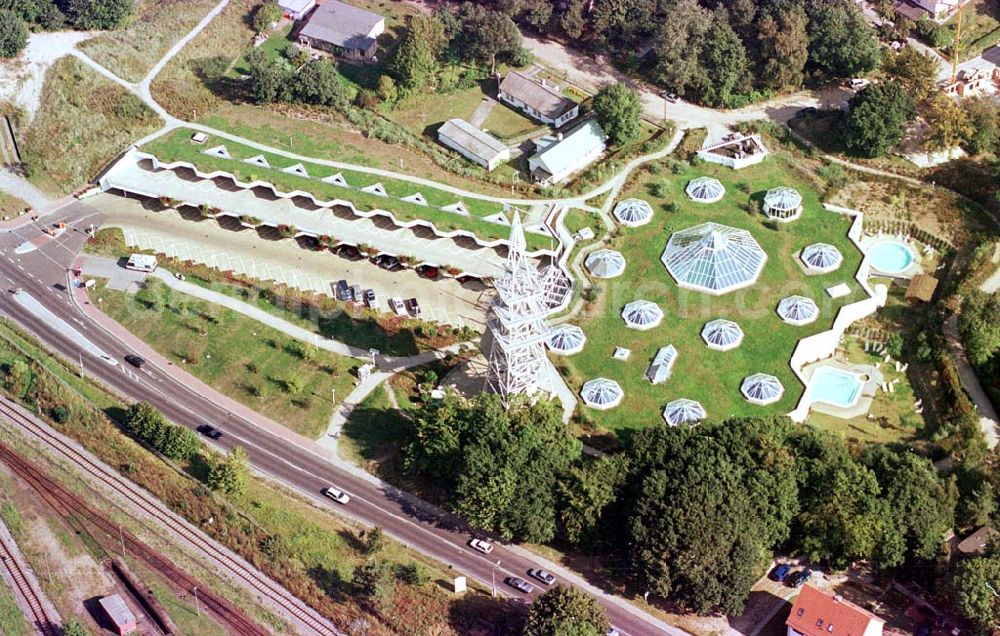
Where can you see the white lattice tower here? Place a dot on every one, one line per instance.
(516, 325)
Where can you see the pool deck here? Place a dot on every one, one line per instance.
(868, 391)
(917, 267)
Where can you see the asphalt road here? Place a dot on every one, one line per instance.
(43, 274)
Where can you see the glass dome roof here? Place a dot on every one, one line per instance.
(798, 310)
(633, 212)
(566, 339)
(642, 314)
(605, 264)
(822, 257)
(722, 335)
(683, 411)
(705, 190)
(761, 388)
(601, 393)
(783, 199)
(713, 258)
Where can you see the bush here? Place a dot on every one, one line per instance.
(414, 574)
(17, 377)
(894, 345)
(100, 14)
(13, 34)
(59, 414)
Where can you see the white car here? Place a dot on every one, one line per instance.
(336, 494)
(108, 359)
(480, 545)
(397, 306)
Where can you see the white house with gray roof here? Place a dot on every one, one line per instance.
(538, 99)
(473, 144)
(559, 156)
(344, 30)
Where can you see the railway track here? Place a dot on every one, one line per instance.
(40, 617)
(68, 505)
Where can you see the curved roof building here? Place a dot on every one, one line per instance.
(633, 212)
(601, 394)
(683, 411)
(783, 204)
(798, 310)
(605, 264)
(821, 257)
(762, 389)
(642, 315)
(705, 190)
(566, 340)
(722, 335)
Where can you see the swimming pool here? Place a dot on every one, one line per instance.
(891, 256)
(835, 386)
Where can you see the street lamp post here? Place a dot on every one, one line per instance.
(493, 575)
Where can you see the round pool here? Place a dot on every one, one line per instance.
(891, 256)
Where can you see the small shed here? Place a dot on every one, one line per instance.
(473, 144)
(921, 288)
(296, 9)
(119, 614)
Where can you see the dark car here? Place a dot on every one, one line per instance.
(209, 431)
(135, 360)
(780, 573)
(519, 584)
(800, 578)
(413, 307)
(370, 299)
(343, 290)
(543, 576)
(670, 97)
(390, 263)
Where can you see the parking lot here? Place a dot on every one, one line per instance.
(245, 252)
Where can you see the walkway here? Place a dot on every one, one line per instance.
(988, 420)
(22, 189)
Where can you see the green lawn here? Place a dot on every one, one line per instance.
(238, 356)
(177, 146)
(504, 122)
(274, 47)
(12, 621)
(709, 376)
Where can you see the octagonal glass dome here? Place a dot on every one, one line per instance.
(762, 389)
(722, 335)
(783, 204)
(601, 393)
(713, 258)
(683, 411)
(705, 190)
(822, 257)
(642, 315)
(633, 212)
(605, 264)
(566, 340)
(798, 310)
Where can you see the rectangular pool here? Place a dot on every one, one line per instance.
(835, 387)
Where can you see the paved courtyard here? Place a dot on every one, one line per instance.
(283, 261)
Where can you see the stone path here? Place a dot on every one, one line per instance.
(482, 112)
(988, 420)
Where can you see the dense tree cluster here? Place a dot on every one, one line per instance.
(313, 82)
(13, 33)
(979, 324)
(694, 512)
(144, 422)
(876, 117)
(720, 52)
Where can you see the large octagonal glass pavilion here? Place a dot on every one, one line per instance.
(798, 310)
(642, 315)
(605, 264)
(722, 335)
(713, 258)
(601, 394)
(683, 411)
(821, 257)
(566, 340)
(633, 212)
(705, 190)
(762, 389)
(783, 204)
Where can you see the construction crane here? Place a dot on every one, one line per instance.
(955, 47)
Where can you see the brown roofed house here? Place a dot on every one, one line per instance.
(921, 288)
(538, 99)
(344, 30)
(819, 613)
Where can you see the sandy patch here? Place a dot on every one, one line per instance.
(21, 79)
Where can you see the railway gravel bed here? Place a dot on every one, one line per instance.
(38, 610)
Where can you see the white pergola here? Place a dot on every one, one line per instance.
(705, 190)
(821, 257)
(798, 310)
(601, 394)
(633, 212)
(566, 340)
(783, 204)
(683, 411)
(762, 389)
(642, 315)
(722, 335)
(605, 264)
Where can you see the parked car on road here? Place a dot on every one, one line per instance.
(800, 578)
(370, 298)
(397, 306)
(135, 360)
(356, 294)
(178, 276)
(343, 290)
(413, 307)
(670, 97)
(542, 575)
(483, 546)
(390, 263)
(336, 494)
(209, 431)
(519, 584)
(781, 572)
(108, 359)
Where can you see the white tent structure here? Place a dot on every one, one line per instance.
(762, 389)
(662, 365)
(713, 258)
(722, 335)
(601, 394)
(683, 411)
(633, 212)
(566, 340)
(705, 190)
(821, 257)
(605, 264)
(783, 204)
(798, 310)
(642, 315)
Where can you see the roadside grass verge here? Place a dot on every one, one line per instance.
(131, 52)
(84, 122)
(297, 542)
(11, 206)
(270, 372)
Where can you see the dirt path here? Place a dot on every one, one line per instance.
(988, 420)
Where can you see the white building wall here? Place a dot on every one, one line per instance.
(489, 165)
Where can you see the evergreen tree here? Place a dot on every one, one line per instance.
(13, 34)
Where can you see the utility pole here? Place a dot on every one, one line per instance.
(958, 40)
(121, 537)
(197, 607)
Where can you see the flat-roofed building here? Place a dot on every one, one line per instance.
(344, 30)
(473, 144)
(538, 99)
(119, 614)
(296, 9)
(560, 156)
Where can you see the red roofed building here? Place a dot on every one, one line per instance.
(818, 613)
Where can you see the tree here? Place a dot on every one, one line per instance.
(974, 588)
(947, 124)
(266, 15)
(874, 123)
(727, 68)
(17, 377)
(74, 627)
(179, 442)
(566, 611)
(372, 540)
(143, 420)
(678, 46)
(487, 36)
(841, 43)
(979, 324)
(376, 582)
(270, 78)
(13, 34)
(583, 495)
(983, 117)
(386, 90)
(783, 47)
(572, 20)
(914, 70)
(416, 62)
(230, 475)
(619, 112)
(100, 14)
(318, 82)
(622, 22)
